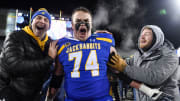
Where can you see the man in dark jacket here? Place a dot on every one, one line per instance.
(25, 60)
(154, 64)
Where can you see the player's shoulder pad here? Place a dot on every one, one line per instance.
(107, 37)
(62, 43)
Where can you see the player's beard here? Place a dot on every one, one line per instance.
(40, 26)
(40, 29)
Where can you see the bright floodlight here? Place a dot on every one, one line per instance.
(178, 52)
(175, 5)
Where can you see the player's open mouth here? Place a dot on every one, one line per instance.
(83, 30)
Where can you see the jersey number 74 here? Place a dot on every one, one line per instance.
(91, 65)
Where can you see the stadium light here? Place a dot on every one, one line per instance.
(175, 8)
(178, 52)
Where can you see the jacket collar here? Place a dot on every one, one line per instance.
(42, 43)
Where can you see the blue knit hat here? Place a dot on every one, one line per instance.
(43, 13)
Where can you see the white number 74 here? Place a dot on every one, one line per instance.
(91, 63)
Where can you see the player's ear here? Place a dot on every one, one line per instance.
(73, 26)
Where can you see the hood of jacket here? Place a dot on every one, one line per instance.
(159, 38)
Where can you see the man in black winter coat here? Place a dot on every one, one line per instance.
(25, 60)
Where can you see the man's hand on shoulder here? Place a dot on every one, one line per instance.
(116, 62)
(102, 31)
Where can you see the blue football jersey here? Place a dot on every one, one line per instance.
(84, 64)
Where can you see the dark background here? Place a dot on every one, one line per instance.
(124, 18)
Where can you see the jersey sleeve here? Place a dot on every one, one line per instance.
(60, 46)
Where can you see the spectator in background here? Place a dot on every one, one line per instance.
(25, 60)
(154, 64)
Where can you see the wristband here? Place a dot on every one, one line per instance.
(146, 90)
(56, 81)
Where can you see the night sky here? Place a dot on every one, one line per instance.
(124, 18)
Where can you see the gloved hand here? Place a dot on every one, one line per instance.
(116, 62)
